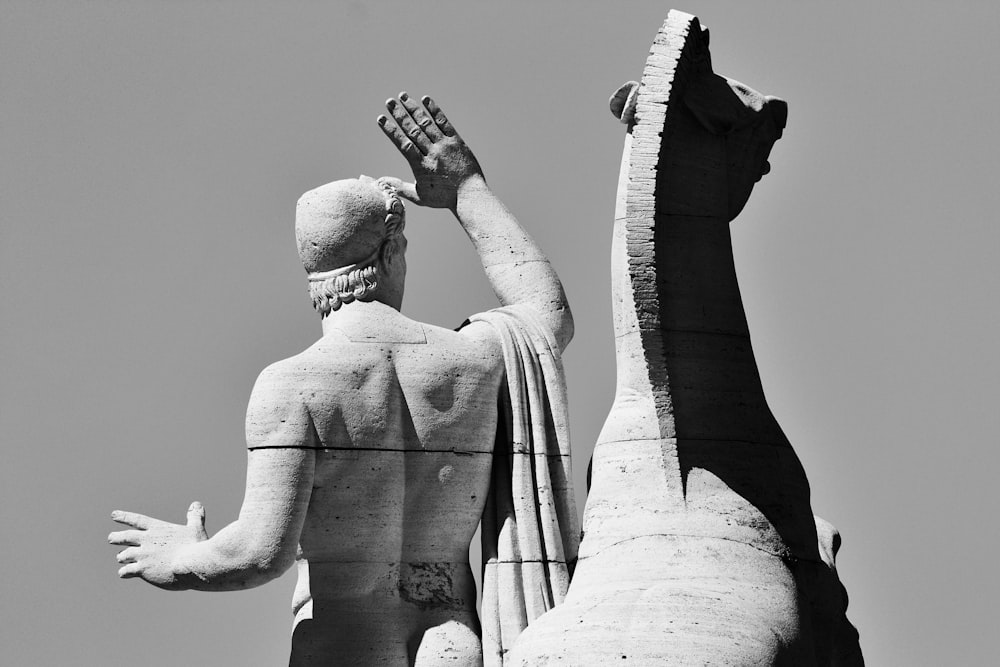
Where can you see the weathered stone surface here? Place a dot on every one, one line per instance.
(371, 453)
(700, 546)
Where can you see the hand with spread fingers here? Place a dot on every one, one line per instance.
(440, 160)
(155, 549)
(448, 176)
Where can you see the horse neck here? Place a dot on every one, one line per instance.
(680, 327)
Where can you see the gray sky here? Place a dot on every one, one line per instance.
(152, 156)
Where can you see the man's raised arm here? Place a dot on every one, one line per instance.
(449, 176)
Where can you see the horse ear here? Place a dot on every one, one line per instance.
(779, 109)
(623, 102)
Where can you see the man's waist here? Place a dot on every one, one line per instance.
(423, 583)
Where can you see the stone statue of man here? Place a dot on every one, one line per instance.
(373, 453)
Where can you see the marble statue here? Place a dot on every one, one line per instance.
(700, 546)
(373, 454)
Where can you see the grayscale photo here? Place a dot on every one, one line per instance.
(499, 334)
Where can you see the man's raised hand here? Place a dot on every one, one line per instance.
(439, 158)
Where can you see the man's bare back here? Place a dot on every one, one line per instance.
(405, 419)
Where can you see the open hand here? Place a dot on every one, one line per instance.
(440, 160)
(155, 549)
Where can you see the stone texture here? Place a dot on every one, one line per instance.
(371, 452)
(700, 546)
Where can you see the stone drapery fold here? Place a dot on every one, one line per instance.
(530, 530)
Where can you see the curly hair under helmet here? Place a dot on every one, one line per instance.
(329, 290)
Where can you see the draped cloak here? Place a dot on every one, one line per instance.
(530, 529)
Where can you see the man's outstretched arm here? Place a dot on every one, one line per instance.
(449, 176)
(261, 544)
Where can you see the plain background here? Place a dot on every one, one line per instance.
(152, 155)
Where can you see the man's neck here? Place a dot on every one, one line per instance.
(371, 312)
(372, 322)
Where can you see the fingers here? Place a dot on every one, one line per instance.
(140, 521)
(403, 144)
(440, 120)
(196, 520)
(196, 514)
(404, 189)
(407, 124)
(129, 555)
(415, 127)
(421, 117)
(130, 570)
(126, 537)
